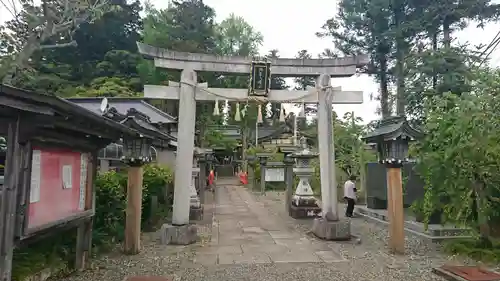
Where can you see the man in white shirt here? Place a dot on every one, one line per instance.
(350, 195)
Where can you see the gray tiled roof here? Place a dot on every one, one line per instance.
(122, 105)
(390, 128)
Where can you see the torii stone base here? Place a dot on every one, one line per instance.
(332, 230)
(178, 234)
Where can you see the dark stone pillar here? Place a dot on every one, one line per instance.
(288, 161)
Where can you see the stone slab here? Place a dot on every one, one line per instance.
(277, 234)
(236, 249)
(245, 258)
(178, 234)
(206, 259)
(259, 248)
(295, 244)
(330, 256)
(253, 229)
(196, 214)
(294, 256)
(332, 230)
(147, 278)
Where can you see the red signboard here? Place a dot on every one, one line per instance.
(58, 186)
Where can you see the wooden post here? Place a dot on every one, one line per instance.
(8, 205)
(395, 210)
(84, 231)
(133, 214)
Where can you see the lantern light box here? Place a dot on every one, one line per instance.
(58, 186)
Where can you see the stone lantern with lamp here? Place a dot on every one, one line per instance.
(304, 203)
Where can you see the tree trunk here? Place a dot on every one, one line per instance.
(484, 227)
(447, 45)
(434, 51)
(400, 55)
(384, 87)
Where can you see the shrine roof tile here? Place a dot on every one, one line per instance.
(123, 105)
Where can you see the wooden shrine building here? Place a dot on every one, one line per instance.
(142, 116)
(50, 167)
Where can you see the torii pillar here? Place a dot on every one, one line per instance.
(329, 226)
(180, 232)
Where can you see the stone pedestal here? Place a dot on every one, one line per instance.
(178, 234)
(332, 230)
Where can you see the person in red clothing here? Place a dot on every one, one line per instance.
(210, 180)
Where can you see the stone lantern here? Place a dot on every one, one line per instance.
(195, 207)
(304, 204)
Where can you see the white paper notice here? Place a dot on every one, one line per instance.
(35, 176)
(83, 181)
(67, 171)
(275, 174)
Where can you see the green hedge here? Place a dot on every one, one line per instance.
(57, 251)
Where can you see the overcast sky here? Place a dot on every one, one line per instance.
(290, 26)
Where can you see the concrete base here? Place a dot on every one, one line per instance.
(332, 230)
(303, 212)
(178, 234)
(195, 214)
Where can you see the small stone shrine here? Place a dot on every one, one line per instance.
(304, 204)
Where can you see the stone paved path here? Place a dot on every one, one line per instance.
(245, 232)
(253, 238)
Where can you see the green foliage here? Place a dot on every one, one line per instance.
(459, 156)
(235, 36)
(409, 43)
(58, 251)
(475, 249)
(215, 139)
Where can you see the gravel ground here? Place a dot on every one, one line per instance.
(368, 260)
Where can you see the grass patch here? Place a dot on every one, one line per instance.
(475, 249)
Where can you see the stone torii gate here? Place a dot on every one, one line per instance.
(188, 91)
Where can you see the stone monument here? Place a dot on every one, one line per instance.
(304, 204)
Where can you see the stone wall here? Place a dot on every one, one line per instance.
(376, 185)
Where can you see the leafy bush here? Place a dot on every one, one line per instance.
(475, 249)
(57, 251)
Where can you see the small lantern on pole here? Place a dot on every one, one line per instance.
(392, 137)
(137, 151)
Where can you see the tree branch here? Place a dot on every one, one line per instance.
(61, 45)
